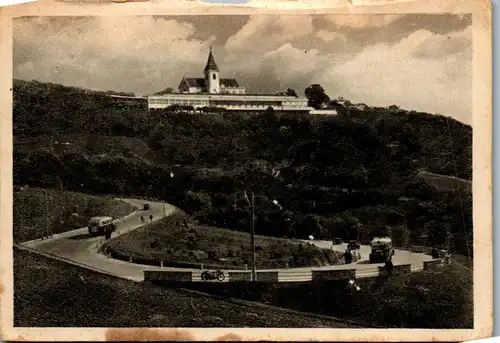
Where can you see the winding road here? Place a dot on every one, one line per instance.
(78, 247)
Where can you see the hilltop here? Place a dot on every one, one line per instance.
(331, 176)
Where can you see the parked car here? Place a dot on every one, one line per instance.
(146, 207)
(353, 245)
(337, 241)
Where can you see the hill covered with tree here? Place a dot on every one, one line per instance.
(329, 176)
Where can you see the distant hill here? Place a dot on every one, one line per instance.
(355, 167)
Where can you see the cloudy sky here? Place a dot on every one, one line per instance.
(421, 62)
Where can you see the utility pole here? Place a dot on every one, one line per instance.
(254, 273)
(46, 214)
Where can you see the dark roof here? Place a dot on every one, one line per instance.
(211, 65)
(200, 82)
(195, 82)
(229, 82)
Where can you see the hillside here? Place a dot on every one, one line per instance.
(446, 183)
(38, 211)
(50, 293)
(213, 247)
(331, 176)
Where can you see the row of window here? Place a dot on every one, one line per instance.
(194, 102)
(178, 102)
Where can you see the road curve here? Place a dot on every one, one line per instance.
(79, 247)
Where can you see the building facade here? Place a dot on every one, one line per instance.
(215, 92)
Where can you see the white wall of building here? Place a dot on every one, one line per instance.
(213, 82)
(229, 101)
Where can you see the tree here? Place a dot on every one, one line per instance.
(309, 226)
(382, 231)
(291, 92)
(316, 96)
(341, 109)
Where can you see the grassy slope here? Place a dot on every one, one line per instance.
(87, 144)
(167, 241)
(49, 293)
(31, 206)
(440, 299)
(445, 182)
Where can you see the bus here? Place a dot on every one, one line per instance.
(99, 226)
(381, 250)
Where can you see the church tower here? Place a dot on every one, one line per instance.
(212, 79)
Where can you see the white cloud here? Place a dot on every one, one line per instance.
(290, 62)
(329, 36)
(268, 32)
(362, 21)
(385, 75)
(135, 52)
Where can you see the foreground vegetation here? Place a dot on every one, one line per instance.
(38, 212)
(344, 176)
(434, 300)
(54, 294)
(169, 241)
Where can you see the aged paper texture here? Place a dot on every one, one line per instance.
(274, 170)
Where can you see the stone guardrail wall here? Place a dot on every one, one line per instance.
(305, 275)
(326, 275)
(172, 276)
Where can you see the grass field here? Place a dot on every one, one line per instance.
(38, 211)
(438, 300)
(54, 294)
(169, 242)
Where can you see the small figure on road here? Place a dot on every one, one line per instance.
(434, 253)
(348, 256)
(142, 219)
(389, 266)
(150, 217)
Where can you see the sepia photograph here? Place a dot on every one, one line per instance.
(244, 171)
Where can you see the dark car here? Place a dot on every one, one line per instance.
(337, 241)
(146, 207)
(353, 245)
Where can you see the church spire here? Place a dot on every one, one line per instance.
(211, 65)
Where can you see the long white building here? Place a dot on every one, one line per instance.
(214, 92)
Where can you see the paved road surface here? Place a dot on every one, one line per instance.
(80, 247)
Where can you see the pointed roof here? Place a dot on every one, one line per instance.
(211, 65)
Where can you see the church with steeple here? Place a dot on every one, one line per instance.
(211, 91)
(211, 82)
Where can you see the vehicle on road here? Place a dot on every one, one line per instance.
(213, 275)
(381, 249)
(353, 245)
(99, 226)
(146, 207)
(337, 241)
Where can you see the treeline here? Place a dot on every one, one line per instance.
(311, 174)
